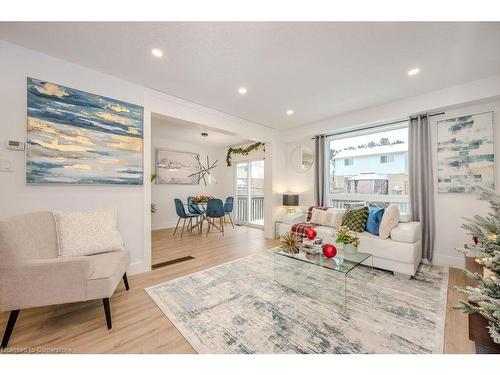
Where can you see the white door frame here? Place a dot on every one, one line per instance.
(249, 192)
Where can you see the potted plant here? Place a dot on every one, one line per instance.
(348, 239)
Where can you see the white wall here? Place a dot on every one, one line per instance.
(163, 195)
(301, 183)
(450, 208)
(16, 197)
(169, 106)
(276, 158)
(17, 63)
(133, 202)
(470, 92)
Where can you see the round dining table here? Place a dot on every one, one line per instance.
(203, 216)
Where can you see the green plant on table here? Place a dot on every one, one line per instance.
(346, 236)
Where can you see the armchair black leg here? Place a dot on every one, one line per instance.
(107, 311)
(125, 281)
(10, 327)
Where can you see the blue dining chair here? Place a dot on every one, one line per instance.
(215, 210)
(193, 208)
(181, 212)
(228, 208)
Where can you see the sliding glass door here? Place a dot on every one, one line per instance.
(250, 192)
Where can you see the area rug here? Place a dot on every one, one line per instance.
(237, 307)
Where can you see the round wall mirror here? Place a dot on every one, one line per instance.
(301, 158)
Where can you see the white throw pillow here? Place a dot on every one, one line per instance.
(332, 218)
(389, 220)
(87, 232)
(317, 216)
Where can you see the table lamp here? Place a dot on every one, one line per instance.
(290, 201)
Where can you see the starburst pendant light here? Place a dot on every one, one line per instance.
(204, 171)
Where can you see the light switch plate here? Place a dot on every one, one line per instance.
(5, 165)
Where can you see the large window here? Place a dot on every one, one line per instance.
(369, 167)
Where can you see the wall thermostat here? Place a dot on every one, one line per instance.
(15, 145)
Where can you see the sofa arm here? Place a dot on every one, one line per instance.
(294, 218)
(41, 282)
(410, 232)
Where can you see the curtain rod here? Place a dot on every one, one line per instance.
(378, 125)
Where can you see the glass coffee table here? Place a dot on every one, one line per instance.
(321, 278)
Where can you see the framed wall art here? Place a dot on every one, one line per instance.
(75, 137)
(466, 154)
(176, 167)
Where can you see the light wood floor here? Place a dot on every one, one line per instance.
(138, 324)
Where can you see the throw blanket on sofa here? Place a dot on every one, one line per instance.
(300, 228)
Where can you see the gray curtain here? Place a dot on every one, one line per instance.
(319, 171)
(422, 180)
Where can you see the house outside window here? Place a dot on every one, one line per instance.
(389, 158)
(369, 167)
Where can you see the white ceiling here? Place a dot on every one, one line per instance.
(184, 131)
(318, 69)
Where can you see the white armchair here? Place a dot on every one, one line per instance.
(32, 274)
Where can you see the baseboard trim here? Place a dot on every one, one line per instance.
(448, 261)
(164, 225)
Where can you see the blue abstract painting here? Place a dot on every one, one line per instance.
(466, 153)
(75, 137)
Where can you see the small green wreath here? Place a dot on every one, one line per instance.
(243, 151)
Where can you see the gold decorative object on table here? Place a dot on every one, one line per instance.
(290, 243)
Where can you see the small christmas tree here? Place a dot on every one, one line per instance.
(485, 298)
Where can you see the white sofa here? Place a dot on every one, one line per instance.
(401, 253)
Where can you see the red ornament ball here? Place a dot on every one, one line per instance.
(311, 233)
(329, 250)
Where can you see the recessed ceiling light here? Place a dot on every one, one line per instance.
(156, 52)
(242, 90)
(290, 112)
(413, 72)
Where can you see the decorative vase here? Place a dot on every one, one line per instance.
(349, 248)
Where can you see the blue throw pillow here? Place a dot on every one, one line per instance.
(374, 219)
